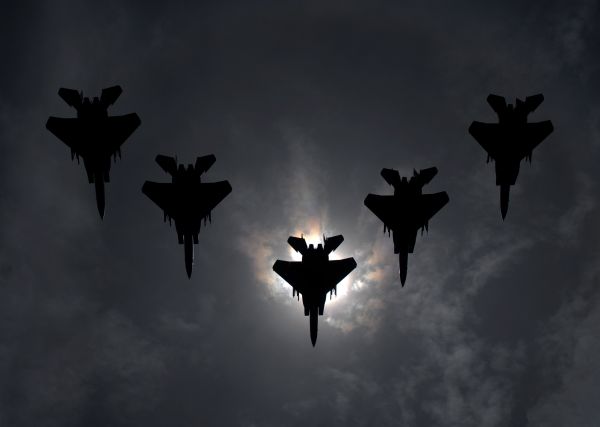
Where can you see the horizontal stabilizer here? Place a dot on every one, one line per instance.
(533, 101)
(110, 94)
(298, 243)
(425, 176)
(70, 96)
(391, 176)
(204, 163)
(498, 103)
(332, 243)
(167, 163)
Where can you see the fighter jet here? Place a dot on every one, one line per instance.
(315, 276)
(187, 200)
(407, 211)
(93, 134)
(511, 139)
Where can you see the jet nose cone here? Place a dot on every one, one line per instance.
(403, 258)
(189, 255)
(313, 326)
(504, 199)
(100, 202)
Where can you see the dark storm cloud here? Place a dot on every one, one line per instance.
(302, 104)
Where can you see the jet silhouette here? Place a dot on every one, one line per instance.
(93, 134)
(315, 276)
(407, 211)
(511, 139)
(186, 199)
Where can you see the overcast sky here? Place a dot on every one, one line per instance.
(302, 103)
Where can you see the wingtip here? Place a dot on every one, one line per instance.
(137, 120)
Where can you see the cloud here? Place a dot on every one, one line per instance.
(112, 365)
(575, 27)
(450, 376)
(571, 223)
(100, 326)
(571, 347)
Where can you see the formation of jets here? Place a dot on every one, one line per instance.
(97, 137)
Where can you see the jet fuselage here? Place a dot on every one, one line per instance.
(315, 276)
(93, 135)
(186, 199)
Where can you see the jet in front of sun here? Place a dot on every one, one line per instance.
(407, 211)
(510, 140)
(94, 135)
(187, 200)
(315, 276)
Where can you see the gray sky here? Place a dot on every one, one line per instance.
(302, 103)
